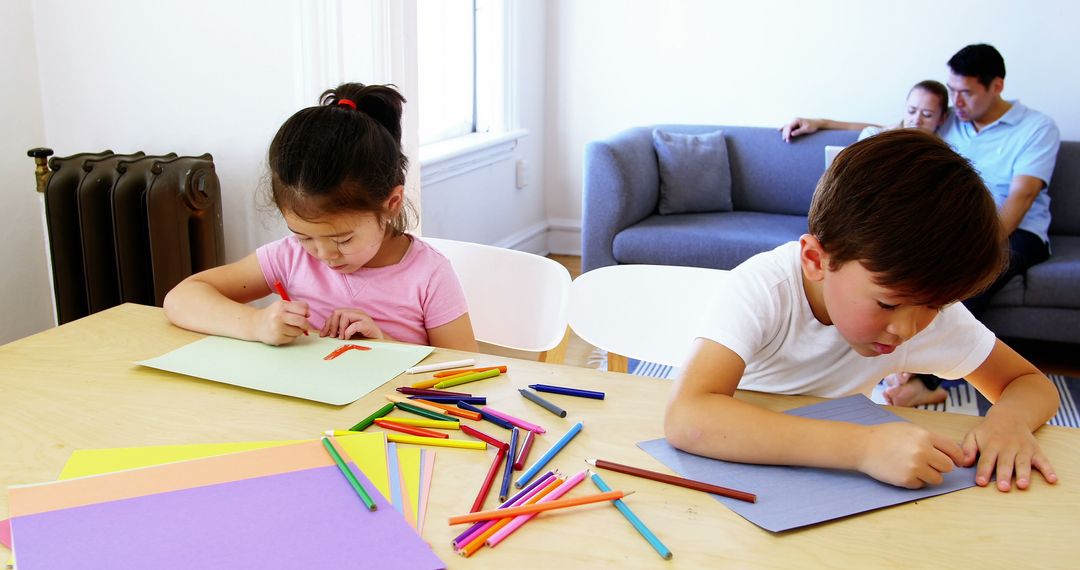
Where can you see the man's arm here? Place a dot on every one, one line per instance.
(1022, 193)
(800, 126)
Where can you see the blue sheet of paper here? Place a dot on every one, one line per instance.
(792, 497)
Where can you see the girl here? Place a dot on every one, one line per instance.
(349, 267)
(926, 108)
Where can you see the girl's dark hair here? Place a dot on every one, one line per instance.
(910, 209)
(338, 156)
(934, 88)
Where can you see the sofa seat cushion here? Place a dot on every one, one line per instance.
(1056, 281)
(718, 240)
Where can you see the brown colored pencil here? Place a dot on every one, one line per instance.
(673, 480)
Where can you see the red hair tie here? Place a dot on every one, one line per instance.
(347, 103)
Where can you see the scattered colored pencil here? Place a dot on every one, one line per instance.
(523, 454)
(421, 411)
(455, 411)
(446, 373)
(662, 550)
(489, 417)
(284, 295)
(425, 423)
(529, 426)
(483, 436)
(458, 380)
(410, 429)
(353, 481)
(428, 392)
(494, 526)
(440, 366)
(364, 423)
(673, 480)
(340, 432)
(398, 398)
(485, 488)
(567, 391)
(481, 400)
(532, 471)
(508, 468)
(532, 397)
(536, 508)
(417, 440)
(514, 524)
(522, 495)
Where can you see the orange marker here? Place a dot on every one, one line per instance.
(453, 410)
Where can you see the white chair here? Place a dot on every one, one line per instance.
(517, 300)
(646, 312)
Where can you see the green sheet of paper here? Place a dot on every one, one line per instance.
(295, 369)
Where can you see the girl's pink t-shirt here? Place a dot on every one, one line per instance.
(418, 293)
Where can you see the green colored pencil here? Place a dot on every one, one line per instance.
(364, 496)
(364, 423)
(422, 412)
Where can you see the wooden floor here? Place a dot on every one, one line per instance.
(1051, 358)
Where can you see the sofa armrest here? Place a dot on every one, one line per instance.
(622, 187)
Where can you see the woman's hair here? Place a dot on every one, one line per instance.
(341, 155)
(934, 88)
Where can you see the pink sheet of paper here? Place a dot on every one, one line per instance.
(5, 533)
(427, 466)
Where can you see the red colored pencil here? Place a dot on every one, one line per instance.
(484, 437)
(454, 410)
(411, 430)
(673, 480)
(523, 455)
(486, 487)
(445, 373)
(284, 295)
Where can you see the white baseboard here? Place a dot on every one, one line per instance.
(532, 239)
(564, 236)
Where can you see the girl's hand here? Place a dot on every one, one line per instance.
(345, 323)
(281, 322)
(1005, 441)
(907, 455)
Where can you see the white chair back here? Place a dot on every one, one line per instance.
(517, 300)
(646, 312)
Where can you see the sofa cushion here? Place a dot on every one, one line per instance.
(694, 172)
(1056, 281)
(718, 240)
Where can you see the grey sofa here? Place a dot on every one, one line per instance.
(772, 185)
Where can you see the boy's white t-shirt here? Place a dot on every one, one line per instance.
(762, 314)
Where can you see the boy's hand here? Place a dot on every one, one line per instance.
(281, 322)
(1005, 441)
(907, 455)
(344, 323)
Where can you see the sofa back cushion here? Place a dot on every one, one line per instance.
(1065, 191)
(694, 172)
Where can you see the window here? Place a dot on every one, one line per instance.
(461, 66)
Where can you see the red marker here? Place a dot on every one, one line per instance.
(283, 294)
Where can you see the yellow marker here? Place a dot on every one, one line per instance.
(341, 432)
(433, 381)
(447, 383)
(403, 400)
(422, 422)
(459, 443)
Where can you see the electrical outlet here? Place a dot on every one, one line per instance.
(521, 173)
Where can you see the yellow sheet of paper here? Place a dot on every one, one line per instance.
(368, 451)
(296, 369)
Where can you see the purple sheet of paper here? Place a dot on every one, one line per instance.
(792, 497)
(302, 519)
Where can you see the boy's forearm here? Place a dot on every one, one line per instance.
(197, 306)
(1031, 399)
(722, 427)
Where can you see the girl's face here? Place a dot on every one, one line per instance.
(344, 242)
(923, 111)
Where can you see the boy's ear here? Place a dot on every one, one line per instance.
(813, 258)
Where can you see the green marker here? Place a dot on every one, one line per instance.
(364, 496)
(364, 423)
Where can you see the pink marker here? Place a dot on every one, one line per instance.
(518, 422)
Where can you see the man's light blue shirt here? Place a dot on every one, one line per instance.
(1022, 142)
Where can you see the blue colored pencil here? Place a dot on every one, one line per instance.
(565, 439)
(567, 391)
(504, 490)
(482, 400)
(497, 421)
(634, 520)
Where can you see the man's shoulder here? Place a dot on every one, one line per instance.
(1031, 118)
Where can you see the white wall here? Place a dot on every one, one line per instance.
(613, 64)
(26, 294)
(217, 76)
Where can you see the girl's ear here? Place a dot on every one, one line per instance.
(813, 258)
(395, 201)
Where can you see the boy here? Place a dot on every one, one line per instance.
(901, 227)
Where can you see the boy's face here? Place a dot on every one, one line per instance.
(871, 318)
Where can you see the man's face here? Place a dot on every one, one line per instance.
(971, 99)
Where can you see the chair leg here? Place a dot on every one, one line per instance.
(557, 355)
(617, 362)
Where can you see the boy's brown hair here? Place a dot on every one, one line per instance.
(910, 209)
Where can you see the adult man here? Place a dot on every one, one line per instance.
(1014, 148)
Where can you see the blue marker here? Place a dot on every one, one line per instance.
(567, 391)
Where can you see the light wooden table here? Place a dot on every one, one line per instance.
(76, 387)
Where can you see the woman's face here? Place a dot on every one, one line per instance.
(924, 111)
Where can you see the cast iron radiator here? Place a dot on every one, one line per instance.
(126, 228)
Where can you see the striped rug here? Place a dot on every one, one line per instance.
(963, 398)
